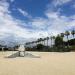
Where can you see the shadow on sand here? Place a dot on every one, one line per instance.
(29, 55)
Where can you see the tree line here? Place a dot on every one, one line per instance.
(42, 44)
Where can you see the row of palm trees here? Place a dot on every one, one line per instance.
(45, 41)
(67, 33)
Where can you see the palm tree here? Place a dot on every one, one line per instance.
(67, 33)
(73, 33)
(32, 43)
(40, 40)
(44, 40)
(62, 35)
(47, 40)
(51, 40)
(35, 43)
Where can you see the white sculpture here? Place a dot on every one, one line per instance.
(21, 50)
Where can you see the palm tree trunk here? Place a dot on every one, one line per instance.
(44, 42)
(51, 42)
(47, 42)
(73, 36)
(67, 43)
(74, 40)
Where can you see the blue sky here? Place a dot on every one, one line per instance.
(26, 20)
(33, 7)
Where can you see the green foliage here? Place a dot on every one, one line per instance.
(67, 33)
(73, 33)
(58, 41)
(59, 45)
(40, 46)
(62, 35)
(71, 42)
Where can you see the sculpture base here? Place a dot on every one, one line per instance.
(22, 53)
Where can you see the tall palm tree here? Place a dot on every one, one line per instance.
(47, 40)
(67, 33)
(53, 37)
(51, 40)
(36, 42)
(73, 33)
(44, 41)
(40, 40)
(62, 35)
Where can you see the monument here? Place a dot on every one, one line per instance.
(21, 50)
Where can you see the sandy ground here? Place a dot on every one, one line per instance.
(37, 63)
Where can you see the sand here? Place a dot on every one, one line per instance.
(38, 63)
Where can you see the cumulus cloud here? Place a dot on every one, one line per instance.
(12, 30)
(39, 23)
(11, 26)
(59, 23)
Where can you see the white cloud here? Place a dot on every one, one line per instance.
(39, 23)
(59, 23)
(52, 15)
(54, 24)
(12, 0)
(24, 13)
(60, 2)
(10, 26)
(73, 6)
(4, 7)
(42, 27)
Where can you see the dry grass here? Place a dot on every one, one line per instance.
(47, 64)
